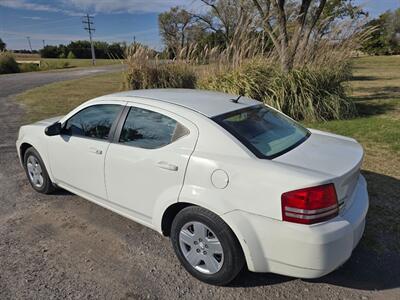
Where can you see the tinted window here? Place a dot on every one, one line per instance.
(94, 121)
(148, 129)
(266, 132)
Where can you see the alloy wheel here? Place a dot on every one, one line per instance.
(35, 171)
(201, 247)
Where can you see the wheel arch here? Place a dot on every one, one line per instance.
(40, 147)
(22, 150)
(167, 210)
(171, 212)
(248, 240)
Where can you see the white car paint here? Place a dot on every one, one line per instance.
(216, 171)
(138, 179)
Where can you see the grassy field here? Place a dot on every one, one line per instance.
(376, 89)
(61, 63)
(59, 98)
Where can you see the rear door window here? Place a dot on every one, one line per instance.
(150, 130)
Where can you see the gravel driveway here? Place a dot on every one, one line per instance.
(62, 246)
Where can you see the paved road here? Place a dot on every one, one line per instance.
(16, 83)
(62, 246)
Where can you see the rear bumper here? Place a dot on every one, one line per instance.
(300, 250)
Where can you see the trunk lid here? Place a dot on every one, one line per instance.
(329, 154)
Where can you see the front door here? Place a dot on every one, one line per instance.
(147, 163)
(77, 155)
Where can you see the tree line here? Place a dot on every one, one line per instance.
(385, 37)
(81, 49)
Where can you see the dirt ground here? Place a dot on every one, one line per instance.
(62, 246)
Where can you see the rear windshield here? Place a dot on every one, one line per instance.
(266, 132)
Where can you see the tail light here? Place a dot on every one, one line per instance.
(310, 205)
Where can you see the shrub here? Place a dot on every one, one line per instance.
(65, 64)
(311, 94)
(249, 80)
(8, 63)
(29, 67)
(308, 93)
(50, 52)
(56, 64)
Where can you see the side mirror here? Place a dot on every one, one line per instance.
(54, 129)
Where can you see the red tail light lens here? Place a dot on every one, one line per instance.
(310, 205)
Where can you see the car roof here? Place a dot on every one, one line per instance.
(208, 103)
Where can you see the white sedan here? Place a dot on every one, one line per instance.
(231, 181)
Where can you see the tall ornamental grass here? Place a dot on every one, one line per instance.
(145, 71)
(304, 94)
(315, 89)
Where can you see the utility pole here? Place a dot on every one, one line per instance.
(29, 42)
(44, 44)
(89, 28)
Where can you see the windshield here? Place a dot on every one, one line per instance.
(266, 132)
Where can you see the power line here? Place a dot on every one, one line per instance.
(87, 21)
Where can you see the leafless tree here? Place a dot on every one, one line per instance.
(274, 16)
(289, 25)
(223, 16)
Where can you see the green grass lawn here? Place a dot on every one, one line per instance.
(60, 97)
(60, 63)
(81, 62)
(375, 88)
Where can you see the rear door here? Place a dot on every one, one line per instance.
(147, 161)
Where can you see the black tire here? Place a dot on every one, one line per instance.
(47, 186)
(233, 258)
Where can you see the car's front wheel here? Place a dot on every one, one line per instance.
(206, 246)
(36, 172)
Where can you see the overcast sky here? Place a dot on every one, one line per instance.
(59, 21)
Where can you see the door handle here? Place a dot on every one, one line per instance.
(95, 151)
(167, 166)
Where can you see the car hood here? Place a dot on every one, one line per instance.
(47, 122)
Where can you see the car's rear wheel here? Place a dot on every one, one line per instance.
(36, 172)
(206, 246)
